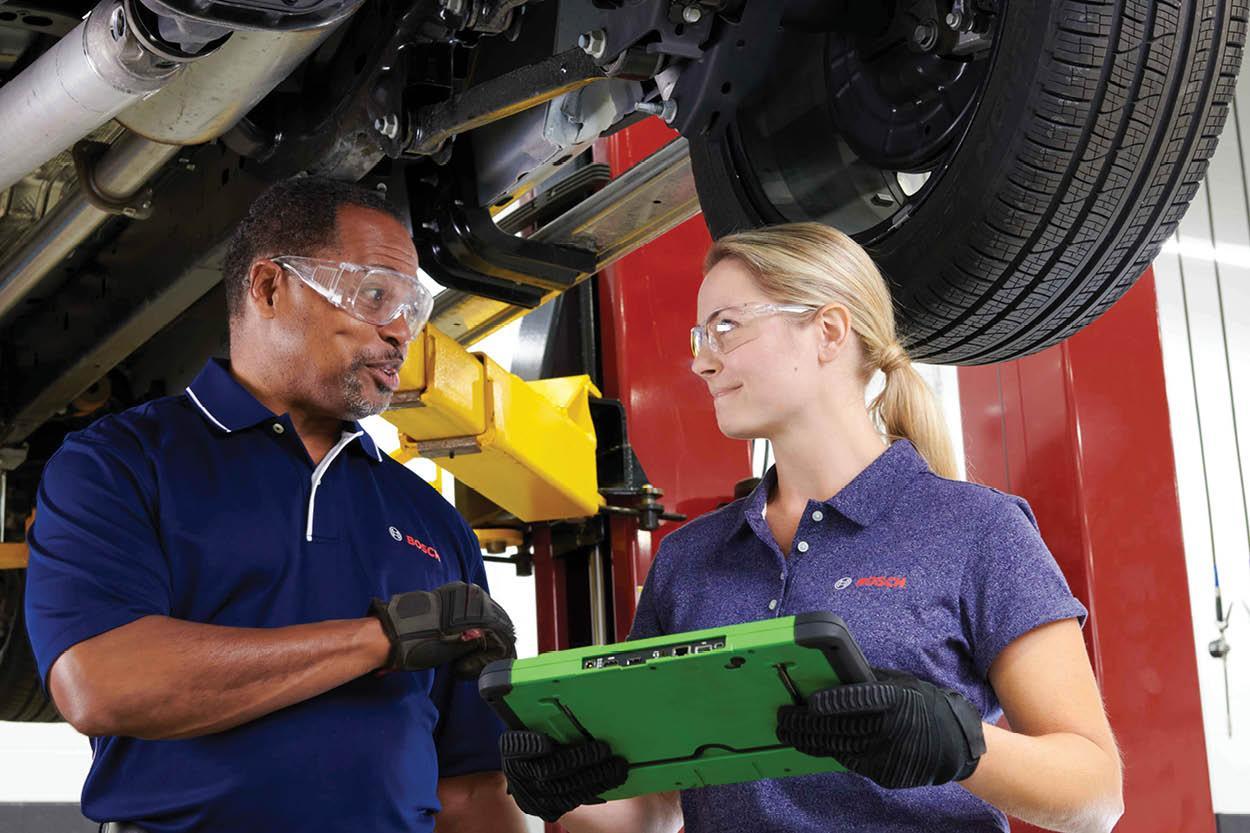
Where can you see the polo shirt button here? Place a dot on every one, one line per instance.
(277, 428)
(803, 546)
(772, 605)
(818, 515)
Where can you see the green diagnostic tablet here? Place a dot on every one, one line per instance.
(685, 710)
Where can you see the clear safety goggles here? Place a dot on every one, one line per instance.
(374, 295)
(731, 327)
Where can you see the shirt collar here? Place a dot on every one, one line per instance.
(866, 497)
(228, 406)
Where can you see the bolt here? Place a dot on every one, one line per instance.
(388, 125)
(954, 20)
(925, 35)
(692, 14)
(117, 23)
(666, 110)
(594, 44)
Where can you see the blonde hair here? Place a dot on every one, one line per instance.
(810, 263)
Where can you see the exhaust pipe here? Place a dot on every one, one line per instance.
(202, 104)
(213, 95)
(99, 69)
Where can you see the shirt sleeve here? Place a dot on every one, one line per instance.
(96, 562)
(647, 621)
(467, 733)
(1011, 583)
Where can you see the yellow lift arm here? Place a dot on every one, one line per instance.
(527, 446)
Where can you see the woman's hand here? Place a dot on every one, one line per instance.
(898, 731)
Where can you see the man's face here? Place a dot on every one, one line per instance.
(340, 365)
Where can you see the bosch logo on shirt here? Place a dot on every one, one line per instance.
(413, 542)
(899, 582)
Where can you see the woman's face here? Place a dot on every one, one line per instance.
(771, 369)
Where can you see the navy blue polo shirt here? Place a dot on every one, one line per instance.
(934, 577)
(206, 507)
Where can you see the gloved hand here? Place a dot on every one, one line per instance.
(547, 779)
(898, 731)
(457, 623)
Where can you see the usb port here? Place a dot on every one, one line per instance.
(702, 649)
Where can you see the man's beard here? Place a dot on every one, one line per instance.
(358, 404)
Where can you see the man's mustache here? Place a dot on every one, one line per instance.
(365, 359)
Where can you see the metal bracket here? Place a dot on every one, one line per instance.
(709, 91)
(137, 206)
(619, 470)
(662, 27)
(461, 247)
(639, 205)
(482, 246)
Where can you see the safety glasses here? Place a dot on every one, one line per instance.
(375, 296)
(731, 327)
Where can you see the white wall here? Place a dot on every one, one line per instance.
(1203, 279)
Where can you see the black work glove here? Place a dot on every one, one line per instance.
(425, 628)
(547, 779)
(899, 731)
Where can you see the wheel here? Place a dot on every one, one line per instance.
(1010, 198)
(22, 697)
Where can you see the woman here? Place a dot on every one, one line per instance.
(946, 585)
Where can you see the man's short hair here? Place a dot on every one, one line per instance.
(294, 217)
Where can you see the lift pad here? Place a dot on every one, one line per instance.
(527, 446)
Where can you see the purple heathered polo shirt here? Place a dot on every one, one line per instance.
(933, 577)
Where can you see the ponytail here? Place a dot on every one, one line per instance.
(906, 409)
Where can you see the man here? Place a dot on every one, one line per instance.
(202, 566)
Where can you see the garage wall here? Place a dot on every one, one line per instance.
(1203, 282)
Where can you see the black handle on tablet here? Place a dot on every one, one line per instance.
(826, 632)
